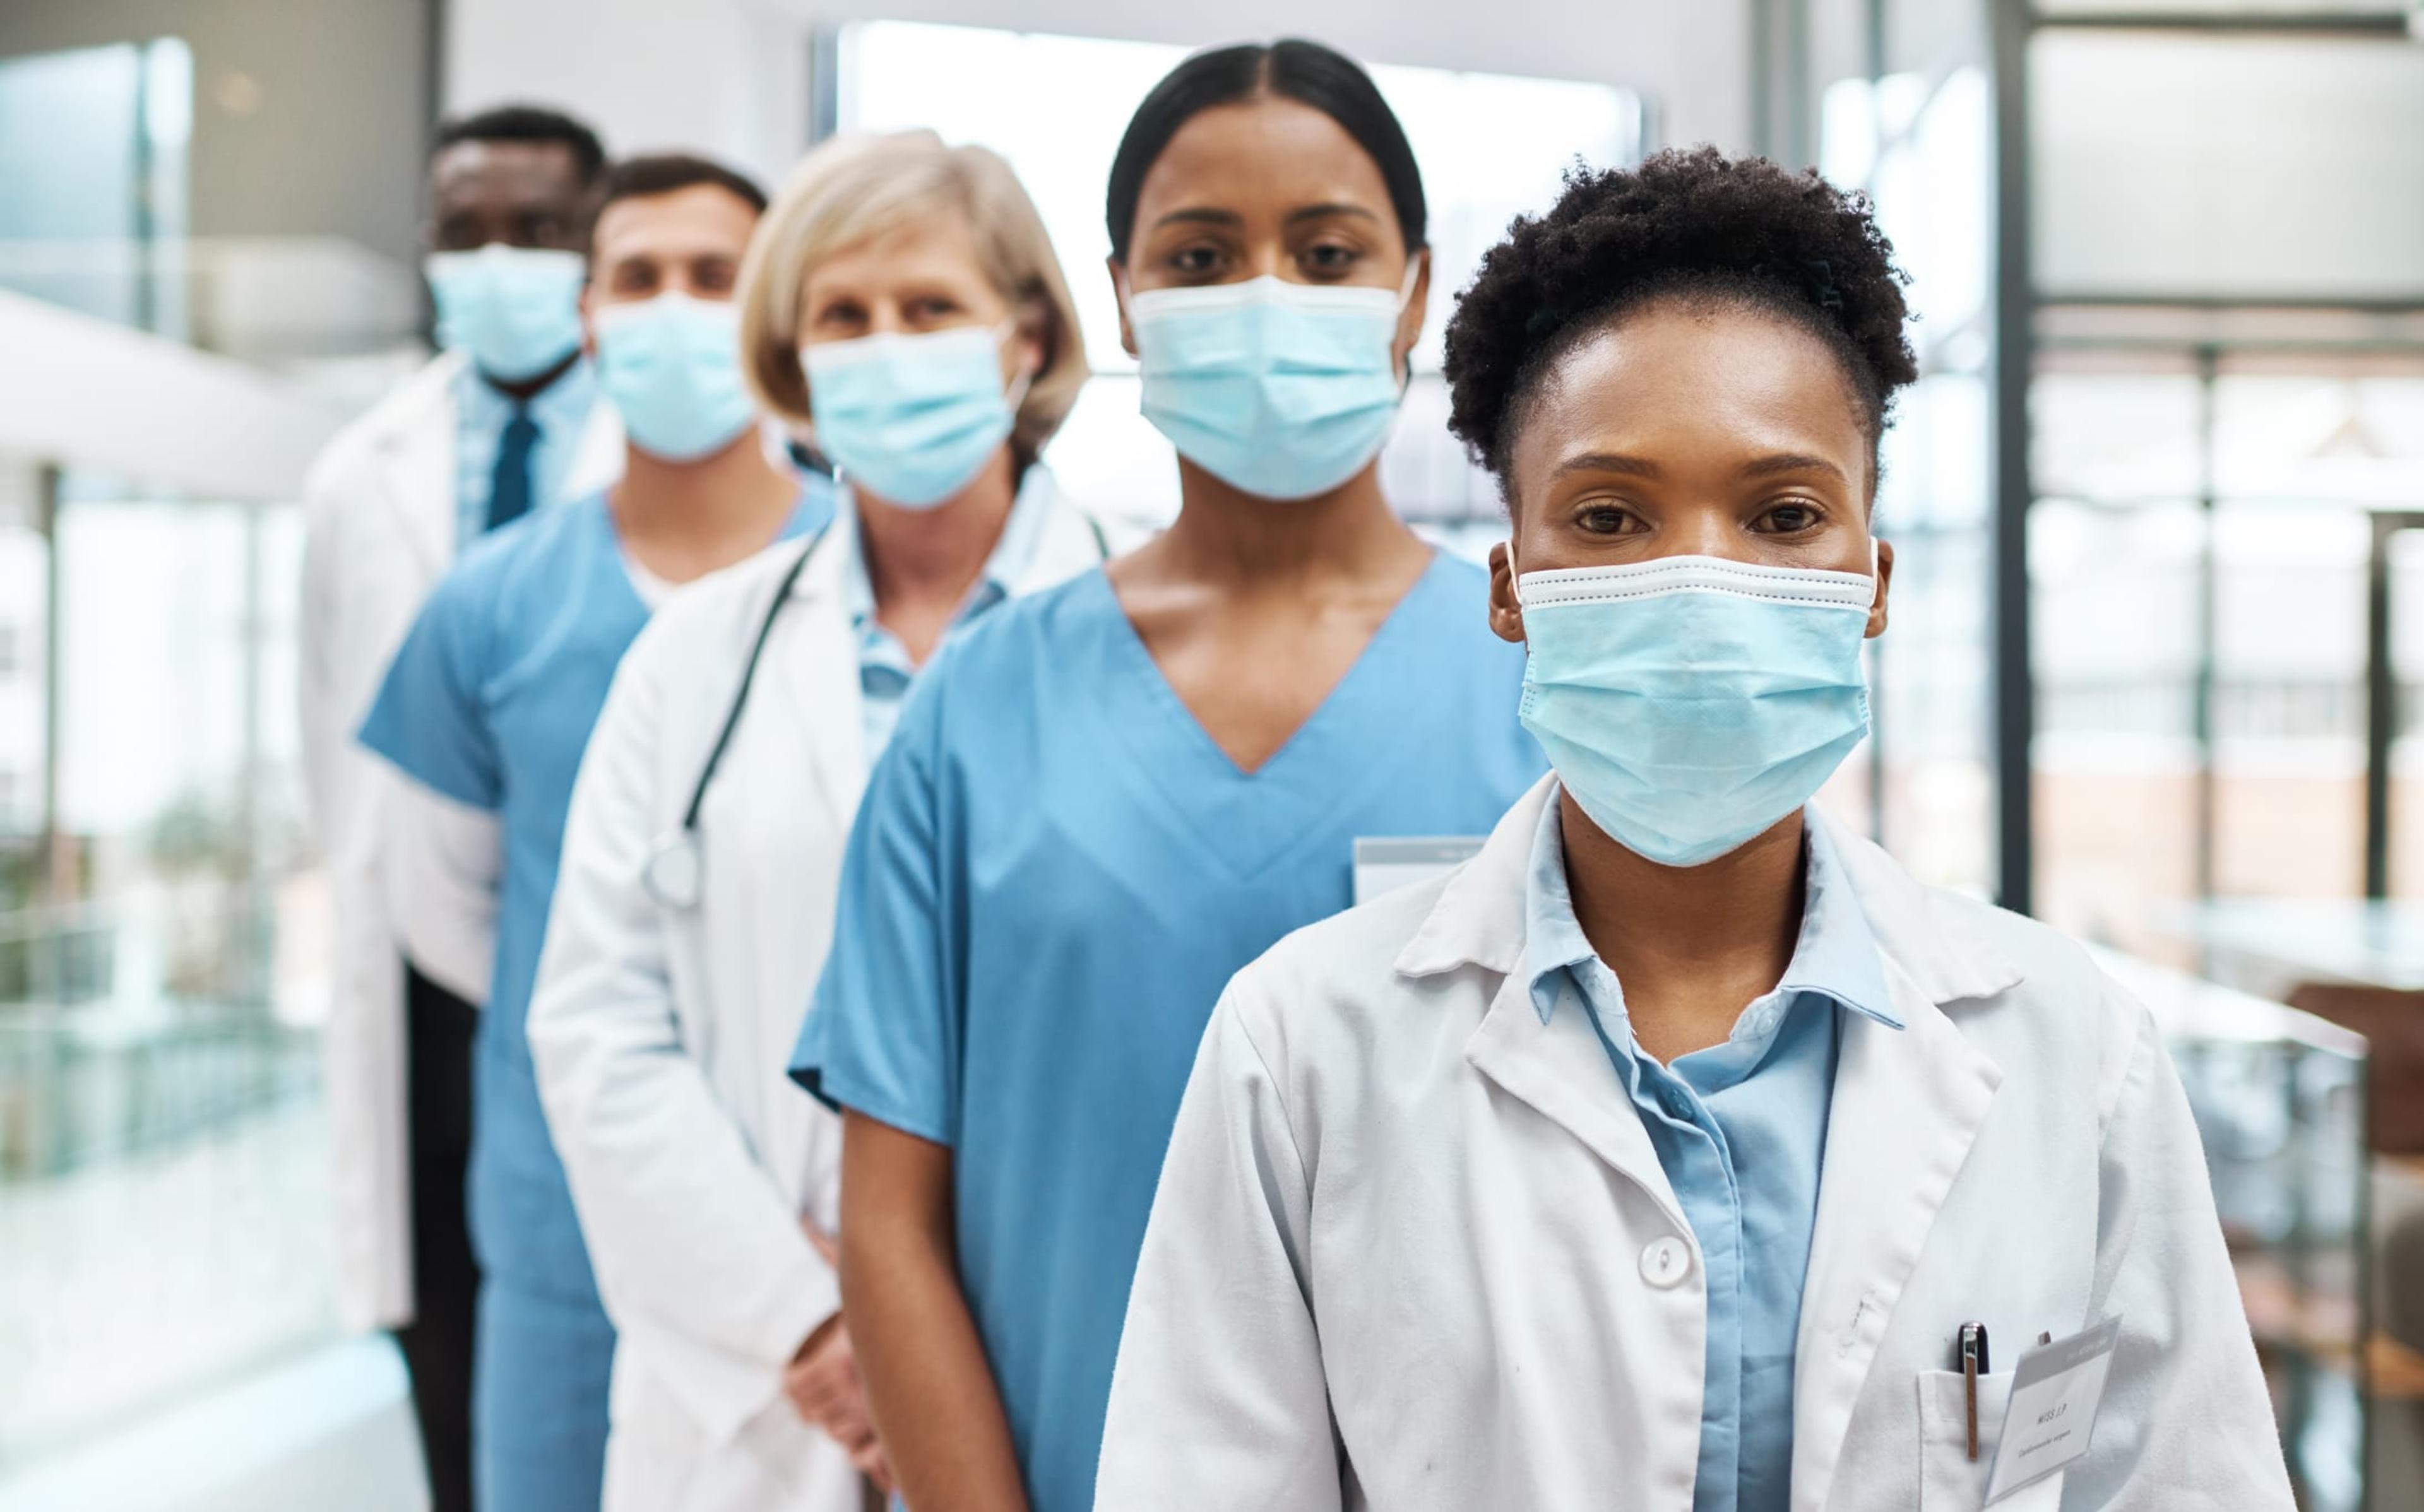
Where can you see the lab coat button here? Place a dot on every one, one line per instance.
(1666, 1261)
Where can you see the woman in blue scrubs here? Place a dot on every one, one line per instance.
(487, 710)
(1108, 797)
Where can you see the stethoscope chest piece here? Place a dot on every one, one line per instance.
(672, 874)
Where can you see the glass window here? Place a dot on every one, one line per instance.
(92, 151)
(163, 1182)
(1926, 781)
(2302, 463)
(2229, 167)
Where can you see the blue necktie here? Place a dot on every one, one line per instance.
(509, 488)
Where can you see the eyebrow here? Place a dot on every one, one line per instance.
(1206, 215)
(1608, 462)
(1333, 208)
(1789, 462)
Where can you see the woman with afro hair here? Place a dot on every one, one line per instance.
(1681, 1152)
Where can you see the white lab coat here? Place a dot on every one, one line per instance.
(379, 525)
(1402, 1252)
(662, 1036)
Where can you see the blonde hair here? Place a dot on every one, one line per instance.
(854, 188)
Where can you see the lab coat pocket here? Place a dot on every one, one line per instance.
(1949, 1479)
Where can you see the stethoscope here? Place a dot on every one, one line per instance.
(674, 872)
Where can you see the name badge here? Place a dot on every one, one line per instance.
(1385, 864)
(2052, 1411)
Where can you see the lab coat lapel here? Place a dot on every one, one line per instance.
(821, 676)
(417, 469)
(1561, 1070)
(1559, 1067)
(1907, 1106)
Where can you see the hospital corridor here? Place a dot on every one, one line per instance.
(1053, 756)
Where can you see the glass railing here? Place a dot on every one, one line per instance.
(163, 1206)
(2279, 1101)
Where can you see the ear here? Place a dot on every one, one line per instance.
(1885, 581)
(1506, 610)
(1410, 320)
(1119, 292)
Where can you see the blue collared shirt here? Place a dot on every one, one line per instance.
(884, 668)
(480, 413)
(1740, 1129)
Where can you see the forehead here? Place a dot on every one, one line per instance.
(698, 220)
(925, 246)
(1261, 157)
(1689, 384)
(477, 167)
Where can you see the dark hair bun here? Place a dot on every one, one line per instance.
(1684, 223)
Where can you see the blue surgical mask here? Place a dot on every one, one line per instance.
(514, 311)
(1689, 703)
(910, 419)
(672, 366)
(1281, 390)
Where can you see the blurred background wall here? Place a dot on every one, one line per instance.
(2159, 620)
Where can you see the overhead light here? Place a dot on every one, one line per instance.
(2352, 437)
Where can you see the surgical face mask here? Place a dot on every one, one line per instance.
(672, 366)
(514, 311)
(910, 419)
(1690, 703)
(1281, 390)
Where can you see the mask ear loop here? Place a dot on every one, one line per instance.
(1414, 266)
(1025, 379)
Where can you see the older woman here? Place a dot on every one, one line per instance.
(901, 304)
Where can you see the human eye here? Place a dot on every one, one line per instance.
(1197, 260)
(838, 318)
(1790, 516)
(1331, 260)
(1606, 517)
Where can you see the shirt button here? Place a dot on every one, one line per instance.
(1666, 1261)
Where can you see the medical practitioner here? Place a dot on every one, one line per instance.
(504, 420)
(1681, 1152)
(901, 300)
(486, 712)
(1105, 798)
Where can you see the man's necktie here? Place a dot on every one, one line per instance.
(509, 489)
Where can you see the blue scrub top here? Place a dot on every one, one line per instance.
(490, 702)
(1053, 874)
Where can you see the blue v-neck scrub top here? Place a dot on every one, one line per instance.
(489, 702)
(1054, 873)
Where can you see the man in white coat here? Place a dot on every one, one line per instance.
(1681, 1152)
(502, 420)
